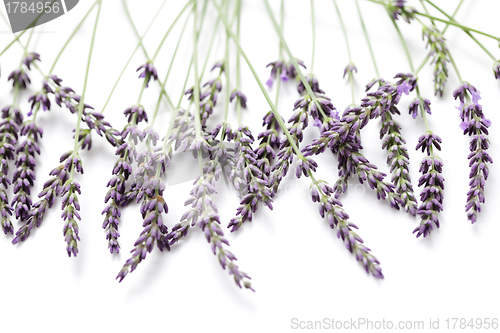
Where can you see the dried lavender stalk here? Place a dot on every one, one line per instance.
(476, 126)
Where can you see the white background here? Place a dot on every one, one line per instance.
(298, 266)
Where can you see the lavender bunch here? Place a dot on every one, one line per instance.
(476, 126)
(440, 56)
(343, 138)
(204, 214)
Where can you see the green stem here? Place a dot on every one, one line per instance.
(131, 56)
(367, 37)
(343, 29)
(238, 69)
(124, 2)
(170, 29)
(226, 68)
(261, 86)
(313, 21)
(168, 73)
(10, 44)
(405, 46)
(71, 37)
(282, 24)
(81, 103)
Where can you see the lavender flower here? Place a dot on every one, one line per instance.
(121, 172)
(349, 70)
(208, 97)
(204, 214)
(285, 71)
(148, 72)
(24, 176)
(253, 186)
(397, 8)
(496, 69)
(432, 181)
(415, 105)
(9, 128)
(47, 196)
(240, 98)
(70, 205)
(440, 56)
(476, 126)
(152, 208)
(332, 209)
(398, 161)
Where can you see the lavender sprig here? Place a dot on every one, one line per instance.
(152, 208)
(122, 170)
(476, 126)
(254, 182)
(440, 56)
(330, 207)
(398, 8)
(204, 214)
(398, 161)
(24, 176)
(431, 196)
(285, 71)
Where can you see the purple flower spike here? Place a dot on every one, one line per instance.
(496, 70)
(332, 209)
(30, 58)
(476, 126)
(431, 195)
(148, 72)
(241, 98)
(349, 70)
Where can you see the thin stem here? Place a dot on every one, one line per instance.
(10, 44)
(226, 67)
(238, 69)
(367, 37)
(282, 24)
(131, 56)
(168, 31)
(405, 46)
(293, 60)
(124, 2)
(261, 86)
(343, 29)
(81, 103)
(455, 67)
(71, 37)
(313, 21)
(454, 23)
